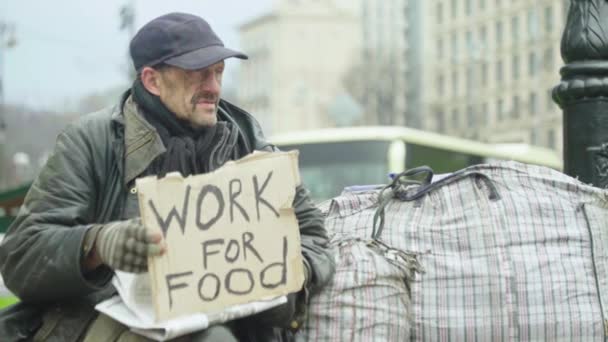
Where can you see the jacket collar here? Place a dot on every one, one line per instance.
(142, 144)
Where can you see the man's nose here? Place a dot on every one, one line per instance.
(211, 84)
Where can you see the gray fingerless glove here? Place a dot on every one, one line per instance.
(126, 245)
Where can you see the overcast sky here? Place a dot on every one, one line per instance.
(70, 48)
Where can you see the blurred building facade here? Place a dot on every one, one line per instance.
(494, 64)
(299, 54)
(479, 69)
(381, 70)
(419, 35)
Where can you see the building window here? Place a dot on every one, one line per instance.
(470, 79)
(441, 85)
(484, 74)
(533, 137)
(549, 59)
(551, 141)
(470, 116)
(483, 37)
(454, 6)
(500, 108)
(499, 72)
(439, 13)
(516, 107)
(468, 6)
(532, 104)
(454, 46)
(515, 29)
(532, 64)
(549, 19)
(482, 5)
(498, 33)
(469, 43)
(515, 67)
(532, 23)
(484, 116)
(440, 49)
(440, 118)
(455, 119)
(454, 84)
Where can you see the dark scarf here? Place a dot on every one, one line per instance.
(188, 150)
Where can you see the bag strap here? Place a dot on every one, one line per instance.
(401, 189)
(456, 176)
(400, 183)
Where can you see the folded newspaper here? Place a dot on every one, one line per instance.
(133, 307)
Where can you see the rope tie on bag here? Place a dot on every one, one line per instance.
(400, 184)
(405, 189)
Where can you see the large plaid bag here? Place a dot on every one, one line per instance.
(368, 298)
(510, 252)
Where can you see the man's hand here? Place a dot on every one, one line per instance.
(126, 245)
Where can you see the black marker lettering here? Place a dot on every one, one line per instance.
(247, 238)
(231, 244)
(171, 287)
(283, 265)
(207, 253)
(233, 195)
(258, 195)
(229, 281)
(166, 223)
(214, 190)
(201, 283)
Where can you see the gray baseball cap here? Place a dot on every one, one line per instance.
(179, 39)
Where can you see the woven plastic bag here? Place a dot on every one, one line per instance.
(367, 300)
(510, 252)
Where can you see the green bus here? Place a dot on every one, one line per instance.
(331, 159)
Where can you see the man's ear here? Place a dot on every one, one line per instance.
(150, 78)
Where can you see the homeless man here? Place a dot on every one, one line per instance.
(80, 220)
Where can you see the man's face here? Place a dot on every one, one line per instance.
(193, 95)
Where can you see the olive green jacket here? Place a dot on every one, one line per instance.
(87, 181)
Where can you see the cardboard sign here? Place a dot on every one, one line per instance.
(232, 235)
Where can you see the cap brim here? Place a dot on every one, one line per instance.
(203, 57)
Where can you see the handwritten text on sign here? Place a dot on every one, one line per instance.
(232, 235)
